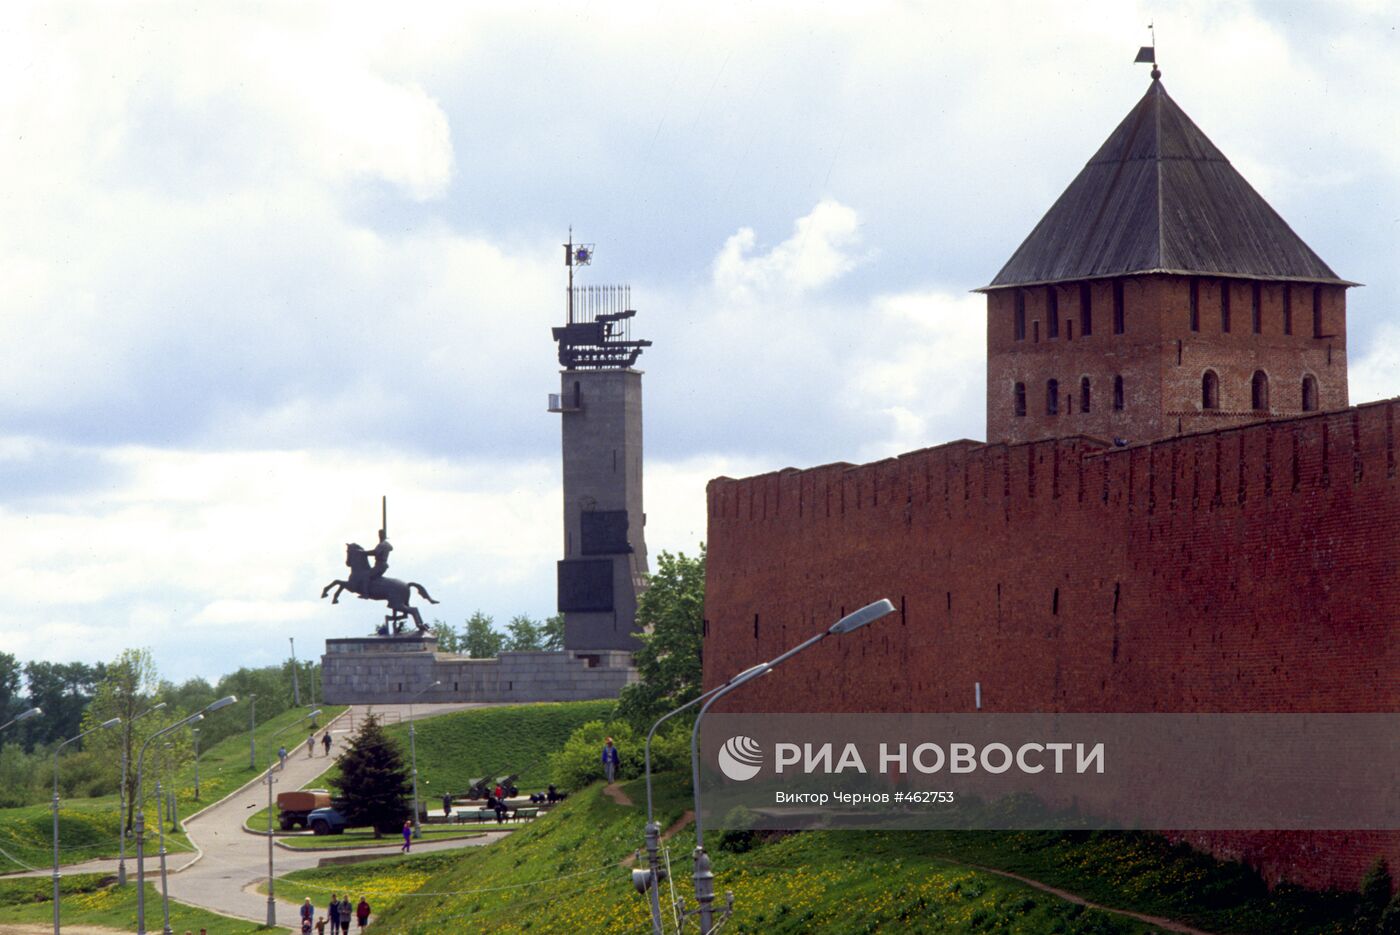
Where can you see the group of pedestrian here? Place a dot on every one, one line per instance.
(338, 913)
(311, 743)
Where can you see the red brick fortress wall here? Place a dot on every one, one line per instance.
(1246, 569)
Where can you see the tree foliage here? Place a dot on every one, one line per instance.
(480, 639)
(552, 633)
(63, 690)
(374, 780)
(523, 635)
(671, 611)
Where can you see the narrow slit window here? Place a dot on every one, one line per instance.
(1210, 390)
(1084, 394)
(1118, 393)
(1020, 316)
(1052, 397)
(1118, 311)
(1052, 312)
(1195, 304)
(1256, 316)
(1225, 306)
(1309, 393)
(1086, 310)
(1317, 311)
(1020, 399)
(1259, 391)
(1287, 309)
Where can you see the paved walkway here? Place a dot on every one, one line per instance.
(231, 861)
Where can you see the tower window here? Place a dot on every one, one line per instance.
(1052, 312)
(1195, 304)
(1118, 393)
(1020, 315)
(1225, 305)
(1020, 395)
(1287, 309)
(1052, 397)
(1083, 394)
(1317, 311)
(1086, 310)
(1259, 391)
(1118, 314)
(1309, 393)
(1210, 390)
(1255, 316)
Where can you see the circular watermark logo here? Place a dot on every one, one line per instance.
(740, 758)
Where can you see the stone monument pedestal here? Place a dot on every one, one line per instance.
(393, 669)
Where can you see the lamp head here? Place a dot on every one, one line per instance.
(867, 614)
(32, 712)
(195, 718)
(112, 723)
(221, 703)
(316, 713)
(763, 668)
(155, 707)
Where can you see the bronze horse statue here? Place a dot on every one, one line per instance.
(378, 588)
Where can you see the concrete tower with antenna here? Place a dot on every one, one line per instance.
(600, 401)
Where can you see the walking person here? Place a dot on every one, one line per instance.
(446, 804)
(362, 913)
(333, 913)
(308, 912)
(311, 745)
(326, 741)
(282, 756)
(610, 760)
(407, 836)
(347, 912)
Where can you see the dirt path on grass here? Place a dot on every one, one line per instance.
(11, 928)
(1167, 924)
(613, 790)
(666, 835)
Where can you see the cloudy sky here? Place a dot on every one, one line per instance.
(264, 262)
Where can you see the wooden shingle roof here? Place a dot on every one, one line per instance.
(1158, 197)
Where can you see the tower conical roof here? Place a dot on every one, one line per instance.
(1158, 197)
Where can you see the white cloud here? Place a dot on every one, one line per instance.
(1376, 375)
(816, 254)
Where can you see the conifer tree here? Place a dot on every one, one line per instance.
(373, 780)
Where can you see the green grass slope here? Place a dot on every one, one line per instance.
(562, 874)
(92, 899)
(88, 826)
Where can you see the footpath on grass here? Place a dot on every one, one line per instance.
(230, 861)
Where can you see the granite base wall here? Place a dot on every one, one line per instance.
(391, 670)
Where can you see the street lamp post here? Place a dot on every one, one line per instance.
(195, 732)
(23, 716)
(296, 687)
(703, 877)
(126, 747)
(413, 753)
(112, 723)
(271, 899)
(252, 723)
(141, 815)
(650, 879)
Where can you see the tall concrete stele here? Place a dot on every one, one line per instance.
(600, 400)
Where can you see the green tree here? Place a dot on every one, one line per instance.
(63, 690)
(129, 688)
(671, 613)
(448, 639)
(523, 634)
(481, 640)
(10, 701)
(1375, 894)
(552, 633)
(373, 780)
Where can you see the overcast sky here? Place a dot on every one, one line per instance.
(264, 262)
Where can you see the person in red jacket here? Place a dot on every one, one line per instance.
(362, 913)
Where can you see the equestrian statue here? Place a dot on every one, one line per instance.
(370, 583)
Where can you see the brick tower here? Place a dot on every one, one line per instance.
(1160, 295)
(600, 399)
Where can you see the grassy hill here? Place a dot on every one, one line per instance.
(564, 872)
(88, 827)
(94, 899)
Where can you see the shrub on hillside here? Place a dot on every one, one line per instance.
(580, 761)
